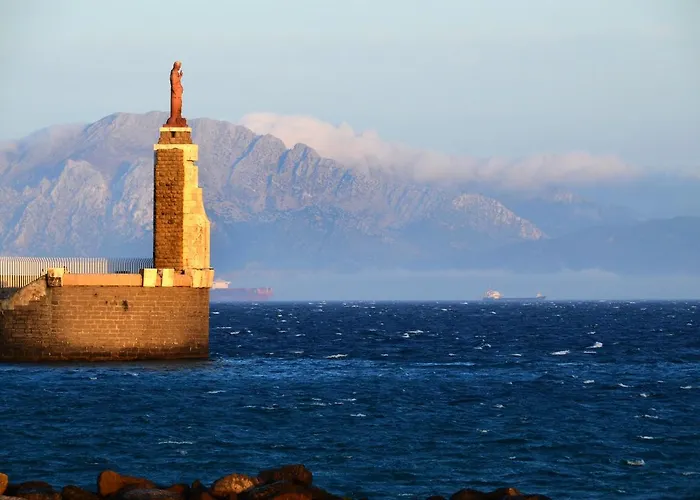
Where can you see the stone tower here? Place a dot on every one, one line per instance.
(181, 229)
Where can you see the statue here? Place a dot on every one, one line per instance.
(176, 119)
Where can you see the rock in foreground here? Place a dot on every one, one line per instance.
(290, 482)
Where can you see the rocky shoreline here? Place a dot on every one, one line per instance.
(290, 482)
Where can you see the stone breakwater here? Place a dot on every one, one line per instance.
(290, 482)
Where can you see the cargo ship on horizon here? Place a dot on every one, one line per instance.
(495, 296)
(220, 292)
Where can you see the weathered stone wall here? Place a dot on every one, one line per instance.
(168, 215)
(181, 227)
(100, 323)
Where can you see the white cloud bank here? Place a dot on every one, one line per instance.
(366, 149)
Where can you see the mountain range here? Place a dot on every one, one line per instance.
(87, 190)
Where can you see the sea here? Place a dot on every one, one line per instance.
(584, 400)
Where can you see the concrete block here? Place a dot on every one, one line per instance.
(56, 272)
(54, 276)
(150, 277)
(167, 277)
(198, 279)
(210, 278)
(183, 280)
(202, 278)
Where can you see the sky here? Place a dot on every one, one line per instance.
(483, 77)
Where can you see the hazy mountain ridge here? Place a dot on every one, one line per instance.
(562, 213)
(665, 246)
(87, 190)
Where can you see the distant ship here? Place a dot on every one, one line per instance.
(220, 292)
(493, 295)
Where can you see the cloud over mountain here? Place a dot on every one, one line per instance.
(363, 150)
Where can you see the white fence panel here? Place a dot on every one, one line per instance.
(16, 272)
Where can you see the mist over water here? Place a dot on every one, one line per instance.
(466, 285)
(574, 400)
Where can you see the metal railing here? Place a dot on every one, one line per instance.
(16, 272)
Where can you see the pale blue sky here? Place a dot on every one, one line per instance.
(491, 77)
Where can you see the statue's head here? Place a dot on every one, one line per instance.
(177, 64)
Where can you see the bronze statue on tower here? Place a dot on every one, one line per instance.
(176, 119)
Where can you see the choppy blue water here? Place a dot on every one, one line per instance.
(574, 400)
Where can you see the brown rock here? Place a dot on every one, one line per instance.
(180, 488)
(281, 490)
(135, 493)
(37, 490)
(295, 473)
(199, 492)
(498, 494)
(5, 497)
(71, 492)
(469, 494)
(197, 486)
(109, 482)
(11, 489)
(233, 483)
(40, 495)
(3, 483)
(503, 492)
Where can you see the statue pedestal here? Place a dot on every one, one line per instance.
(175, 135)
(176, 122)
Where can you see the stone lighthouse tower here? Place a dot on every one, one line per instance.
(181, 229)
